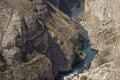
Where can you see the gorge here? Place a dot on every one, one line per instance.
(59, 40)
(86, 48)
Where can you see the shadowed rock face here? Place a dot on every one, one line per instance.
(30, 30)
(66, 5)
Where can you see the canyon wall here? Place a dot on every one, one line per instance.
(102, 21)
(37, 41)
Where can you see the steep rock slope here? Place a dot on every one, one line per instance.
(30, 29)
(102, 23)
(102, 20)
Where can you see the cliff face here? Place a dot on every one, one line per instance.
(101, 19)
(36, 40)
(66, 5)
(102, 22)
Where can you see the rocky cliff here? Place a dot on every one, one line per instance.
(66, 6)
(36, 40)
(101, 19)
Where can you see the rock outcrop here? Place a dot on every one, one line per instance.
(36, 40)
(102, 21)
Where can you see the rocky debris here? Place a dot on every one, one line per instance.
(39, 8)
(21, 34)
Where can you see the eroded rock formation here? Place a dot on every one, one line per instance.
(102, 20)
(36, 40)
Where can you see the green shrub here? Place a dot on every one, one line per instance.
(78, 50)
(83, 77)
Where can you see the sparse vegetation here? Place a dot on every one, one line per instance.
(78, 50)
(102, 61)
(83, 77)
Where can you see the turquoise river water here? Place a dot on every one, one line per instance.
(90, 53)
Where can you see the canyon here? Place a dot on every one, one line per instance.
(44, 39)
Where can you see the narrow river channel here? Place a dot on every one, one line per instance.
(90, 53)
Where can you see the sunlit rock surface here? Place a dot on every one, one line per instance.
(101, 19)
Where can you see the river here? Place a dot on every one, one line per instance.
(90, 53)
